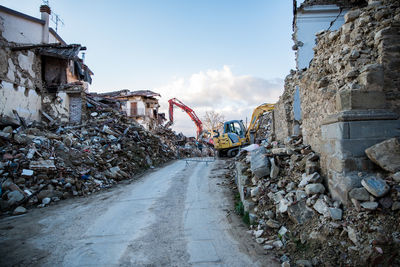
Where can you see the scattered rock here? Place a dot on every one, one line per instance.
(369, 205)
(312, 189)
(46, 201)
(19, 210)
(375, 186)
(386, 154)
(359, 194)
(335, 213)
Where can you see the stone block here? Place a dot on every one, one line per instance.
(376, 186)
(299, 213)
(259, 163)
(339, 130)
(340, 184)
(356, 99)
(374, 129)
(372, 77)
(386, 154)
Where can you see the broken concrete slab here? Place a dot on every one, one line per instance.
(386, 154)
(42, 165)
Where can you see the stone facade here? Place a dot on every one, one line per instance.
(349, 94)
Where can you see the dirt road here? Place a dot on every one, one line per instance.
(177, 215)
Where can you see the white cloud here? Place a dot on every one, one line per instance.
(218, 90)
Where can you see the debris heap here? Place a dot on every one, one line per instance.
(291, 212)
(46, 162)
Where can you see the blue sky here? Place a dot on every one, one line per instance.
(178, 47)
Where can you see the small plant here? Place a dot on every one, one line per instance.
(239, 208)
(246, 218)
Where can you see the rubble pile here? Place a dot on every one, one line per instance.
(291, 211)
(264, 132)
(46, 162)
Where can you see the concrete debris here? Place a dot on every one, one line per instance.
(44, 163)
(386, 154)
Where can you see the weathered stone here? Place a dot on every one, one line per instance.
(282, 231)
(312, 178)
(396, 177)
(278, 244)
(46, 200)
(273, 224)
(311, 167)
(300, 194)
(303, 263)
(386, 202)
(258, 233)
(260, 240)
(351, 15)
(299, 213)
(386, 154)
(274, 168)
(375, 186)
(268, 247)
(359, 194)
(255, 191)
(352, 235)
(321, 207)
(335, 213)
(396, 206)
(14, 197)
(19, 210)
(312, 189)
(259, 163)
(279, 151)
(369, 205)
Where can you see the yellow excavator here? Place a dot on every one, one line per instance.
(235, 134)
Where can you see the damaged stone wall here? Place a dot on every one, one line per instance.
(19, 82)
(349, 94)
(283, 111)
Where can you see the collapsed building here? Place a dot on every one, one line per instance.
(344, 95)
(141, 105)
(41, 76)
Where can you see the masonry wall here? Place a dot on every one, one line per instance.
(349, 94)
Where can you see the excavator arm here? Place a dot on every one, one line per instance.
(254, 123)
(189, 111)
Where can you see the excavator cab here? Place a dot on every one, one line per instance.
(234, 136)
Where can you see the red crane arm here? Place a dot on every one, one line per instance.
(189, 111)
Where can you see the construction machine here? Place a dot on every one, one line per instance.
(189, 111)
(235, 134)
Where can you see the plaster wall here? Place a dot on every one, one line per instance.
(309, 21)
(24, 100)
(20, 30)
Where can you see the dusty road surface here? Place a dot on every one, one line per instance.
(178, 215)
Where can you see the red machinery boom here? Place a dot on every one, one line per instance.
(189, 111)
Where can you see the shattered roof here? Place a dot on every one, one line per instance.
(126, 92)
(54, 50)
(146, 93)
(61, 51)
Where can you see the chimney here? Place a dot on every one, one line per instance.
(45, 11)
